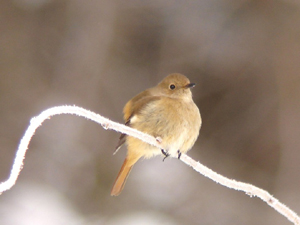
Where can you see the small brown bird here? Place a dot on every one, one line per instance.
(166, 111)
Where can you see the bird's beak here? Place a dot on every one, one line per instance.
(190, 85)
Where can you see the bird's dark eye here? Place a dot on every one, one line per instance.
(172, 86)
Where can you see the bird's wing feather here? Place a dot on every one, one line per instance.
(140, 103)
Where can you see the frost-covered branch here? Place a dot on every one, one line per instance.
(35, 122)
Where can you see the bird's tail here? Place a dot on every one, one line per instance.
(121, 178)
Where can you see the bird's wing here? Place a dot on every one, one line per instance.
(134, 106)
(122, 139)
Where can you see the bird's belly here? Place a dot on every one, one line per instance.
(176, 130)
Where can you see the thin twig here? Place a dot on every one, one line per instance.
(249, 189)
(36, 122)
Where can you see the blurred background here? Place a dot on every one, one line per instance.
(244, 56)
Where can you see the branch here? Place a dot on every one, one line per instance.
(249, 189)
(36, 122)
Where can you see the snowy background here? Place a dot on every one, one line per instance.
(245, 58)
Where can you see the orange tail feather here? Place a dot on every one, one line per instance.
(121, 178)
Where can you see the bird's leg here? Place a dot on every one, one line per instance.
(179, 154)
(165, 153)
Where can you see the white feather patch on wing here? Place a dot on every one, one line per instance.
(134, 119)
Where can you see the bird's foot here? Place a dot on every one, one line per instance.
(179, 154)
(165, 153)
